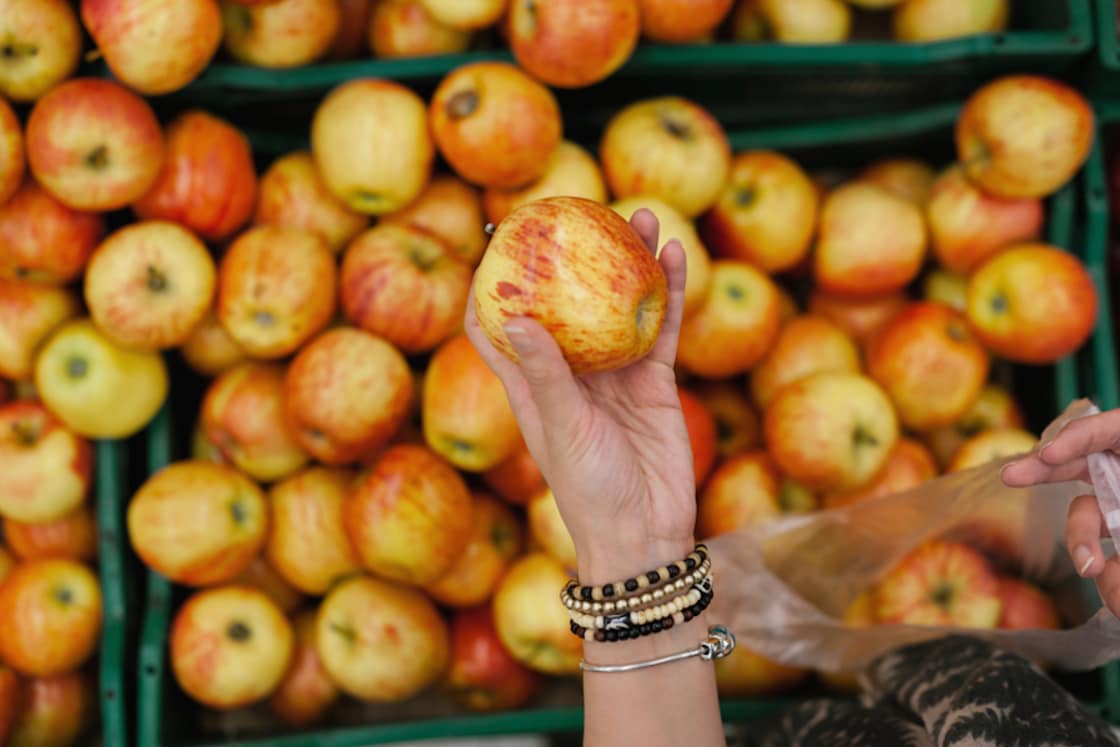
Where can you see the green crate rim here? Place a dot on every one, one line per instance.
(109, 491)
(1108, 41)
(1072, 41)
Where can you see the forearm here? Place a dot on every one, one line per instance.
(668, 705)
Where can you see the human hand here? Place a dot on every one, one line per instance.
(612, 446)
(1064, 459)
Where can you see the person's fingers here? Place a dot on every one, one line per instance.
(1082, 437)
(1031, 470)
(1108, 584)
(672, 261)
(1083, 531)
(645, 222)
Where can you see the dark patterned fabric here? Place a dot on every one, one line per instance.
(952, 692)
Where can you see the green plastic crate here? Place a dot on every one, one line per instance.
(166, 718)
(741, 83)
(1104, 75)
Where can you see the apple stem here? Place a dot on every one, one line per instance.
(98, 158)
(673, 127)
(64, 596)
(156, 281)
(26, 433)
(462, 104)
(238, 631)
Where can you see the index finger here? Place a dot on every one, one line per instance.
(1082, 437)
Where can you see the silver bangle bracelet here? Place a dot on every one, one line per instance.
(719, 643)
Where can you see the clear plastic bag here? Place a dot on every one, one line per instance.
(782, 586)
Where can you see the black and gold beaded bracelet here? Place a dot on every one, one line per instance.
(638, 601)
(638, 584)
(620, 633)
(658, 611)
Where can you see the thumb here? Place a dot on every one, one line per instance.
(553, 388)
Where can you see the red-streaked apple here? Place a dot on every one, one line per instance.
(805, 345)
(995, 407)
(494, 124)
(533, 628)
(571, 172)
(94, 145)
(908, 466)
(371, 142)
(1032, 303)
(42, 240)
(862, 318)
(43, 43)
(154, 48)
(1023, 606)
(678, 21)
(403, 284)
(242, 416)
(209, 349)
(482, 676)
(277, 288)
(518, 478)
(939, 583)
(29, 312)
(922, 21)
(282, 34)
(574, 45)
(1024, 136)
(47, 468)
(230, 646)
(742, 491)
(13, 159)
(347, 393)
(450, 209)
(870, 241)
(808, 21)
(909, 178)
(738, 427)
(50, 616)
(306, 691)
(580, 270)
(466, 14)
(735, 327)
(55, 711)
(96, 387)
(73, 536)
(990, 445)
(666, 147)
(198, 523)
(766, 213)
(380, 642)
(149, 284)
(292, 194)
(496, 539)
(307, 543)
(403, 28)
(831, 431)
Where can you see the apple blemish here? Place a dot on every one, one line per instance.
(463, 104)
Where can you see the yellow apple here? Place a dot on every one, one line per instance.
(45, 40)
(808, 21)
(531, 624)
(548, 531)
(466, 14)
(282, 33)
(936, 20)
(47, 468)
(571, 172)
(990, 445)
(29, 312)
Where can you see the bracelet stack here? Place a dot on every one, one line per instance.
(655, 601)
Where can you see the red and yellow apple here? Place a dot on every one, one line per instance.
(990, 445)
(494, 542)
(909, 465)
(995, 407)
(306, 691)
(923, 21)
(571, 172)
(73, 536)
(1023, 606)
(44, 41)
(55, 711)
(281, 34)
(482, 676)
(939, 583)
(403, 28)
(198, 523)
(42, 240)
(805, 345)
(29, 312)
(909, 178)
(738, 427)
(533, 628)
(574, 45)
(450, 209)
(678, 21)
(209, 349)
(518, 478)
(13, 159)
(862, 318)
(744, 490)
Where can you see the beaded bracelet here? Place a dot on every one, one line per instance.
(649, 608)
(656, 626)
(648, 581)
(633, 601)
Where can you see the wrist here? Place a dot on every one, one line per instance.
(604, 564)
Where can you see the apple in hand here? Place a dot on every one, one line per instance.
(466, 14)
(924, 21)
(744, 490)
(13, 160)
(746, 674)
(738, 427)
(735, 327)
(96, 387)
(666, 147)
(571, 172)
(346, 394)
(94, 145)
(870, 241)
(581, 271)
(808, 21)
(494, 124)
(230, 646)
(73, 536)
(672, 225)
(862, 318)
(990, 445)
(548, 530)
(198, 523)
(306, 692)
(930, 363)
(994, 407)
(409, 518)
(909, 178)
(260, 575)
(765, 214)
(403, 284)
(677, 21)
(450, 209)
(1023, 606)
(531, 625)
(380, 642)
(276, 289)
(831, 431)
(1032, 303)
(467, 418)
(209, 349)
(939, 583)
(50, 617)
(243, 418)
(307, 543)
(42, 240)
(47, 468)
(518, 478)
(482, 676)
(282, 34)
(29, 312)
(371, 142)
(42, 46)
(571, 45)
(149, 284)
(805, 345)
(403, 28)
(909, 465)
(154, 48)
(494, 542)
(208, 182)
(55, 711)
(292, 194)
(1024, 136)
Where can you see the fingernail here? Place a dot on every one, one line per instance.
(1082, 558)
(517, 337)
(1044, 446)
